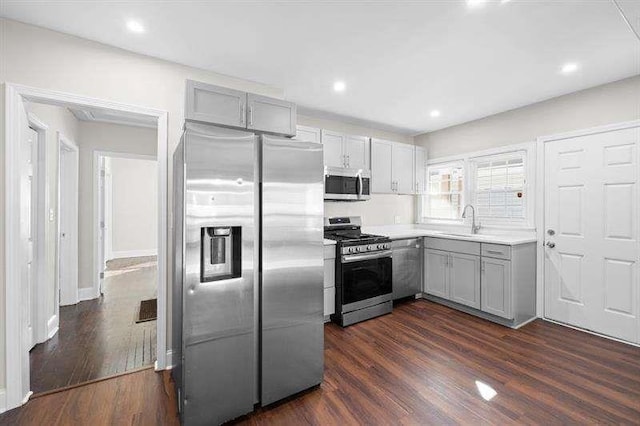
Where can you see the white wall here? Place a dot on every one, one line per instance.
(50, 60)
(59, 120)
(134, 207)
(381, 209)
(610, 103)
(93, 137)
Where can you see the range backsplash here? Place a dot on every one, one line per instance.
(381, 209)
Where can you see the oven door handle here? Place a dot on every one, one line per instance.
(349, 258)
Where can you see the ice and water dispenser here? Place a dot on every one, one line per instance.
(220, 253)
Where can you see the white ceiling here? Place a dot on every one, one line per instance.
(399, 59)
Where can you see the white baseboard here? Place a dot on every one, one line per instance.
(52, 326)
(86, 293)
(3, 401)
(133, 253)
(169, 360)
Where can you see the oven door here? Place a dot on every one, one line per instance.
(365, 281)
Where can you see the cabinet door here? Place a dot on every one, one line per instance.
(403, 168)
(381, 167)
(214, 104)
(307, 134)
(420, 170)
(436, 267)
(332, 143)
(496, 287)
(356, 148)
(464, 279)
(271, 115)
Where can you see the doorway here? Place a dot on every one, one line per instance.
(18, 298)
(591, 231)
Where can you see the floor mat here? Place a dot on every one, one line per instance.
(148, 310)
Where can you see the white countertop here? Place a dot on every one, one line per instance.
(396, 232)
(328, 242)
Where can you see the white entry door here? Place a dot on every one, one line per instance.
(591, 232)
(28, 161)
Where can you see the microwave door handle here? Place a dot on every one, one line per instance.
(359, 185)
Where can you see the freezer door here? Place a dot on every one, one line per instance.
(219, 363)
(292, 267)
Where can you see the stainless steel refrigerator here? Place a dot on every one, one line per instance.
(248, 283)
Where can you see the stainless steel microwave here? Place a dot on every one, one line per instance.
(347, 184)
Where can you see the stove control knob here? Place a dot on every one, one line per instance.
(371, 247)
(380, 246)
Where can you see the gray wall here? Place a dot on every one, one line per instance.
(610, 103)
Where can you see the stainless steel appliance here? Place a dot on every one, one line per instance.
(248, 283)
(347, 184)
(363, 271)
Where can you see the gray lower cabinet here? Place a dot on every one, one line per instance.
(329, 280)
(227, 107)
(464, 279)
(407, 267)
(494, 279)
(453, 276)
(496, 287)
(437, 272)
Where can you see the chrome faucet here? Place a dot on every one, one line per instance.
(474, 228)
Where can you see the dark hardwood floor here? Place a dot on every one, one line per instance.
(99, 338)
(423, 364)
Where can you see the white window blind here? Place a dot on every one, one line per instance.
(446, 186)
(499, 186)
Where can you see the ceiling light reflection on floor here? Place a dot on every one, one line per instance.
(486, 391)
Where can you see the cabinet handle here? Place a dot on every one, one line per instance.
(250, 116)
(242, 114)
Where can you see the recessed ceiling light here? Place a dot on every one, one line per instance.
(135, 27)
(339, 86)
(435, 113)
(475, 3)
(569, 67)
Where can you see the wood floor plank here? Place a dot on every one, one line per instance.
(418, 365)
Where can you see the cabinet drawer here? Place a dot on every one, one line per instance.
(499, 251)
(467, 247)
(329, 273)
(329, 301)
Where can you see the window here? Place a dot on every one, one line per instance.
(446, 187)
(498, 187)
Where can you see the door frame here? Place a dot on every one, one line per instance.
(97, 206)
(16, 358)
(39, 322)
(66, 144)
(540, 206)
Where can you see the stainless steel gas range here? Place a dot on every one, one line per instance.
(363, 271)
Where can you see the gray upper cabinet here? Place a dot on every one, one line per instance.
(233, 108)
(356, 149)
(271, 115)
(214, 104)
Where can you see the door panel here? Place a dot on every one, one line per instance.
(464, 279)
(403, 163)
(356, 150)
(271, 115)
(28, 161)
(591, 207)
(436, 273)
(292, 267)
(495, 287)
(381, 166)
(332, 144)
(214, 104)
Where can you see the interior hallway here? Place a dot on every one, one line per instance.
(100, 337)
